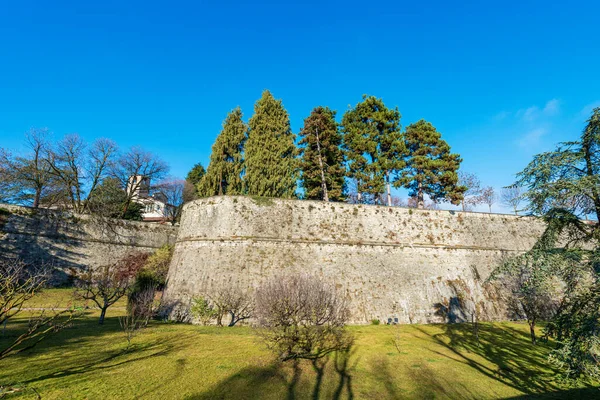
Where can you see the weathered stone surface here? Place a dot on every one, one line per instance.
(414, 265)
(70, 242)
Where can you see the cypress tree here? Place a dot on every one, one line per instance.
(374, 148)
(430, 166)
(322, 160)
(224, 173)
(270, 165)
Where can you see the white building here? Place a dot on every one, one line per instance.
(156, 207)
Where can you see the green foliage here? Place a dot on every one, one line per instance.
(374, 147)
(375, 322)
(568, 177)
(195, 175)
(322, 160)
(224, 174)
(561, 185)
(270, 164)
(203, 310)
(110, 199)
(158, 263)
(431, 169)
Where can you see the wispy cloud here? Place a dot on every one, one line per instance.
(586, 111)
(536, 113)
(532, 138)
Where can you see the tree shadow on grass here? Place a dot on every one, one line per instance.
(299, 379)
(112, 359)
(502, 353)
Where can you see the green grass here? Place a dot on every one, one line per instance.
(178, 361)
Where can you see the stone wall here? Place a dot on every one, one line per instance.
(70, 242)
(414, 265)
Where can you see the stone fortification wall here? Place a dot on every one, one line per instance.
(70, 242)
(414, 265)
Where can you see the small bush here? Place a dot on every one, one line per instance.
(158, 264)
(203, 310)
(375, 322)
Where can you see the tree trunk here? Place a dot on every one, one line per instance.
(323, 182)
(389, 189)
(532, 332)
(420, 197)
(463, 205)
(490, 208)
(102, 315)
(36, 200)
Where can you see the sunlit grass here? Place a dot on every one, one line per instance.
(178, 361)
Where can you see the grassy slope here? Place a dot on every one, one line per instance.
(174, 361)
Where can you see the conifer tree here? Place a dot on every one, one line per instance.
(430, 166)
(322, 160)
(224, 173)
(270, 164)
(374, 148)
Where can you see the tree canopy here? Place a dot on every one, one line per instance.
(224, 174)
(562, 185)
(270, 164)
(431, 169)
(321, 158)
(374, 148)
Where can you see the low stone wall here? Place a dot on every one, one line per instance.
(413, 265)
(71, 242)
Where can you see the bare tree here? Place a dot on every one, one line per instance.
(189, 192)
(529, 297)
(27, 179)
(137, 163)
(301, 317)
(107, 284)
(101, 157)
(171, 191)
(65, 161)
(471, 196)
(18, 284)
(512, 196)
(232, 300)
(488, 196)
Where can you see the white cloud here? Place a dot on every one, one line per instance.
(532, 138)
(552, 107)
(535, 113)
(586, 111)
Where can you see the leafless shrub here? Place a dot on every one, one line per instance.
(301, 317)
(107, 284)
(232, 300)
(136, 318)
(19, 283)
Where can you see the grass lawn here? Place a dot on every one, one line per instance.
(178, 361)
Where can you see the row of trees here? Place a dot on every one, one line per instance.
(91, 178)
(368, 150)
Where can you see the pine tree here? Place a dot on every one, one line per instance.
(270, 165)
(224, 174)
(430, 166)
(322, 160)
(374, 148)
(195, 175)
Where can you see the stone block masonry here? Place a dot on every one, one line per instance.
(416, 266)
(70, 242)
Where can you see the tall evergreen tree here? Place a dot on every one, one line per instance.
(374, 148)
(322, 160)
(430, 166)
(194, 176)
(270, 164)
(224, 174)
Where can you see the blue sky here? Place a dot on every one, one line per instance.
(501, 81)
